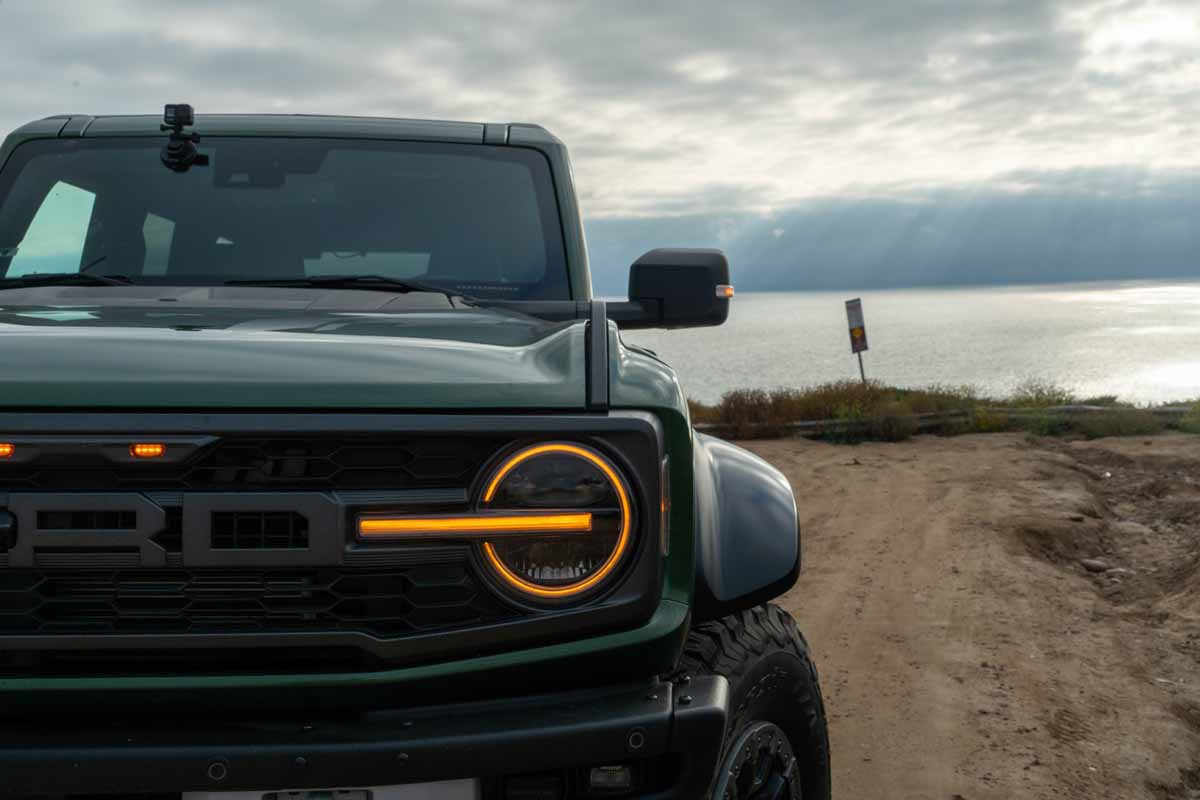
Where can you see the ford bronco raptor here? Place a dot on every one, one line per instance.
(324, 475)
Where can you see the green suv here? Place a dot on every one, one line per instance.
(324, 475)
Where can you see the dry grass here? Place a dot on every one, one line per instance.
(856, 411)
(829, 401)
(882, 412)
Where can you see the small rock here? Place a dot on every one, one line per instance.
(1094, 565)
(1120, 571)
(1132, 530)
(1076, 518)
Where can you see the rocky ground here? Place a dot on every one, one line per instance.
(998, 617)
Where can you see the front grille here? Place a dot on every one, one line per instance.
(87, 520)
(259, 530)
(382, 602)
(253, 537)
(255, 463)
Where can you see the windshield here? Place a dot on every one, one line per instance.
(472, 218)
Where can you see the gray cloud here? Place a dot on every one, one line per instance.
(1022, 227)
(776, 100)
(728, 116)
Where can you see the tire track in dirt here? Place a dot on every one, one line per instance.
(963, 650)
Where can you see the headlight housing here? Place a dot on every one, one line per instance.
(558, 479)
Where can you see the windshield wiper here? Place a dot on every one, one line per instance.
(63, 279)
(377, 283)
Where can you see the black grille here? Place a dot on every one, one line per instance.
(185, 661)
(8, 531)
(383, 602)
(378, 462)
(87, 520)
(259, 530)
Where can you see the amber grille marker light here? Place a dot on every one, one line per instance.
(147, 449)
(7, 449)
(724, 291)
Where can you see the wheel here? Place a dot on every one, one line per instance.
(776, 740)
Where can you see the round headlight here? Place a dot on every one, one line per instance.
(564, 477)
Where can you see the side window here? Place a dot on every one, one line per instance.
(54, 240)
(158, 233)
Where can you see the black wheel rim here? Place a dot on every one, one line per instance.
(759, 766)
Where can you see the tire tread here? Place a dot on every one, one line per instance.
(730, 645)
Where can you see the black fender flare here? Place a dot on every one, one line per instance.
(747, 530)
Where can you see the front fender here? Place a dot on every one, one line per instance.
(747, 530)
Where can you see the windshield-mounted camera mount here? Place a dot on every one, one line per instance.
(180, 153)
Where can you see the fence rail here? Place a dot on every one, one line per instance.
(924, 422)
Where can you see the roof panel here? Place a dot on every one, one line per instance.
(297, 125)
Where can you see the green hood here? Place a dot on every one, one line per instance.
(150, 355)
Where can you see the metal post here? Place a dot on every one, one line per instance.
(861, 372)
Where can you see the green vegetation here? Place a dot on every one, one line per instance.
(1039, 393)
(1120, 422)
(1190, 422)
(852, 411)
(1041, 423)
(1101, 400)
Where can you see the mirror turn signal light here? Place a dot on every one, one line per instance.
(7, 449)
(474, 526)
(147, 449)
(725, 291)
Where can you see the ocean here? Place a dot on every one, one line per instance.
(1137, 340)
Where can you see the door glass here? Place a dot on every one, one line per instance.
(54, 240)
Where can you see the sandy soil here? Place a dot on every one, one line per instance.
(966, 652)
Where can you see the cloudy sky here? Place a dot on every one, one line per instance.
(775, 129)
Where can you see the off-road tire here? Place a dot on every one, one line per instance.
(772, 680)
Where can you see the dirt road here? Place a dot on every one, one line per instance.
(965, 650)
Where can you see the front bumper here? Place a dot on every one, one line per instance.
(672, 732)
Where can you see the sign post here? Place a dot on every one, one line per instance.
(858, 332)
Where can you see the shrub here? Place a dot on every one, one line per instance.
(938, 398)
(825, 400)
(746, 411)
(849, 428)
(1119, 422)
(853, 405)
(854, 411)
(1190, 422)
(987, 421)
(1101, 400)
(1039, 393)
(703, 413)
(1046, 424)
(892, 423)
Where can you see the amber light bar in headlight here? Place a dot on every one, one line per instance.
(473, 526)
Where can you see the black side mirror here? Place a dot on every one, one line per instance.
(676, 288)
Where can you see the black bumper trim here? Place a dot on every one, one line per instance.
(162, 754)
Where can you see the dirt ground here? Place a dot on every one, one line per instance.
(965, 650)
